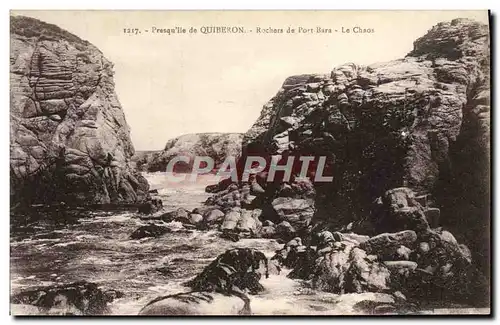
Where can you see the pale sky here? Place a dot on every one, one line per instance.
(185, 83)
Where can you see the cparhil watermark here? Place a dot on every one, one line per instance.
(276, 167)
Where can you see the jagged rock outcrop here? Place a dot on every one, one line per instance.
(237, 267)
(407, 144)
(429, 266)
(421, 122)
(70, 141)
(218, 146)
(388, 124)
(78, 298)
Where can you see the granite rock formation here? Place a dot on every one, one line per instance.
(217, 146)
(406, 141)
(78, 298)
(70, 141)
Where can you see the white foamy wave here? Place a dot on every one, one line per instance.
(119, 218)
(96, 261)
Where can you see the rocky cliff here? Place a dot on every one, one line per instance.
(406, 141)
(70, 141)
(218, 146)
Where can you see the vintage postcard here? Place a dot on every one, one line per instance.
(250, 163)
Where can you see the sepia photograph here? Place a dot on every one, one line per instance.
(267, 163)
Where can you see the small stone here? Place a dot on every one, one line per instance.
(423, 247)
(399, 295)
(195, 218)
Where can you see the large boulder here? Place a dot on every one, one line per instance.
(69, 140)
(151, 206)
(78, 298)
(365, 274)
(349, 269)
(229, 198)
(248, 223)
(217, 146)
(213, 216)
(180, 215)
(390, 246)
(231, 220)
(297, 212)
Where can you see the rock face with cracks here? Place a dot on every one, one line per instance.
(407, 145)
(70, 141)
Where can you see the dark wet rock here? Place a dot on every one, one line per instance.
(236, 267)
(444, 271)
(268, 232)
(79, 298)
(433, 215)
(70, 141)
(195, 218)
(365, 274)
(150, 230)
(248, 223)
(397, 306)
(348, 269)
(297, 212)
(221, 186)
(213, 216)
(285, 230)
(198, 303)
(389, 246)
(113, 294)
(181, 215)
(151, 206)
(243, 222)
(401, 266)
(256, 188)
(325, 238)
(230, 235)
(407, 145)
(165, 270)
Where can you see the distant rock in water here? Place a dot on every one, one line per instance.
(70, 141)
(218, 146)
